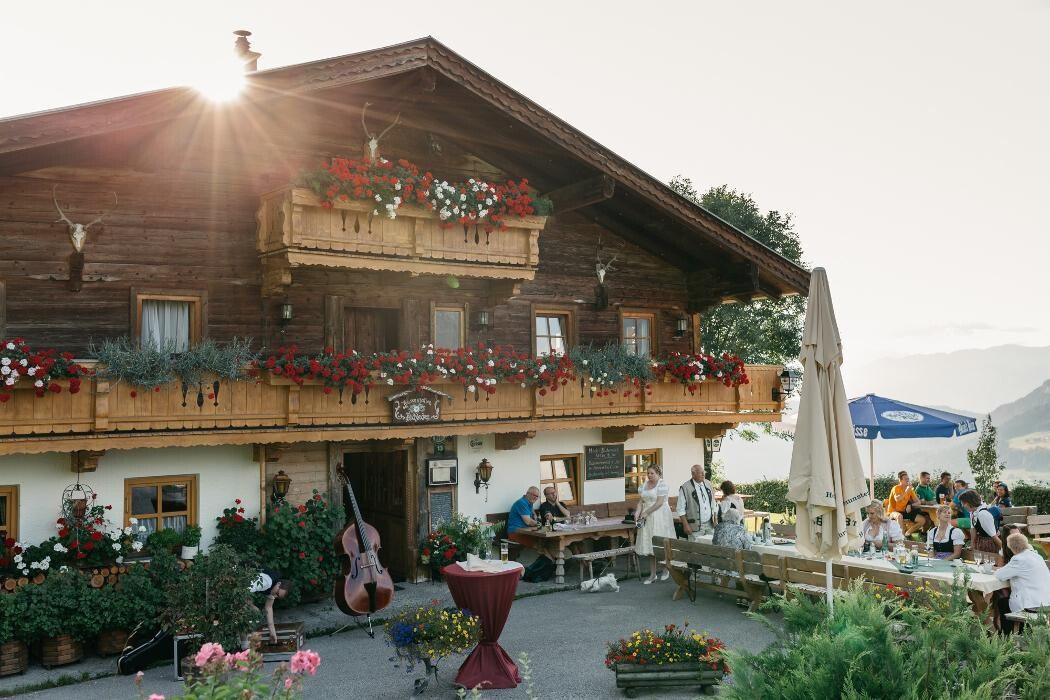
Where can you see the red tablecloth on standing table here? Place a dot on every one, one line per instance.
(489, 596)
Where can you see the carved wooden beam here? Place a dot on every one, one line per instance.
(711, 430)
(513, 441)
(582, 194)
(620, 433)
(84, 460)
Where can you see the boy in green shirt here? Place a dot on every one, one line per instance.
(924, 491)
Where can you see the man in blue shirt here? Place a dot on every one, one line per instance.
(520, 515)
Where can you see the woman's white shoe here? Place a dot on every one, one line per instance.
(665, 575)
(649, 580)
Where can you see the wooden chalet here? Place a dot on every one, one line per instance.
(210, 233)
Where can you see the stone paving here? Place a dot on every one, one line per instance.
(564, 633)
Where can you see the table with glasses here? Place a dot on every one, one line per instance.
(552, 543)
(980, 586)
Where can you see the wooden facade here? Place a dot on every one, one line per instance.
(209, 212)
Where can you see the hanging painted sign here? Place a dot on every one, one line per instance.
(420, 405)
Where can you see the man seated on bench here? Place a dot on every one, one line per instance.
(554, 511)
(1028, 577)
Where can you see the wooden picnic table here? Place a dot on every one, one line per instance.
(553, 544)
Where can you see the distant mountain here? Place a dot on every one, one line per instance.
(978, 379)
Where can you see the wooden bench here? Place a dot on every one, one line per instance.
(587, 559)
(1018, 515)
(784, 530)
(735, 572)
(1039, 528)
(808, 576)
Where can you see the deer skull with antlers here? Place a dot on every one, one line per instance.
(372, 144)
(78, 232)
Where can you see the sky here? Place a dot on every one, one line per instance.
(909, 140)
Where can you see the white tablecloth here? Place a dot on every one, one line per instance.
(983, 583)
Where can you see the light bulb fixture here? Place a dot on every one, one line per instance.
(281, 483)
(681, 327)
(482, 476)
(482, 320)
(789, 381)
(287, 312)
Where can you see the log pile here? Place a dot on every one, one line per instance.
(100, 576)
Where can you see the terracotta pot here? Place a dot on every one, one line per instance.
(60, 650)
(14, 657)
(111, 642)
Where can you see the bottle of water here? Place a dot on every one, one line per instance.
(885, 544)
(767, 531)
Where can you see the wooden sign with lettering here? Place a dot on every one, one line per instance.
(420, 405)
(604, 461)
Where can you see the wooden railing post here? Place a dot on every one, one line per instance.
(293, 403)
(101, 404)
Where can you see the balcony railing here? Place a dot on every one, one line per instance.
(276, 404)
(296, 231)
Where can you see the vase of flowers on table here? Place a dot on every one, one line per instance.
(426, 634)
(675, 658)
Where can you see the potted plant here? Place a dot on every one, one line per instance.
(675, 658)
(166, 540)
(427, 634)
(14, 654)
(136, 602)
(191, 539)
(453, 540)
(211, 599)
(62, 612)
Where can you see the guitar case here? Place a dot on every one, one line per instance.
(143, 649)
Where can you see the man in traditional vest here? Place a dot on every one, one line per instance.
(696, 505)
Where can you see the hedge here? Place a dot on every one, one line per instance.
(771, 494)
(1031, 493)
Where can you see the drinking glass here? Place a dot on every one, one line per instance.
(504, 551)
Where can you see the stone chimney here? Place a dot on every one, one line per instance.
(244, 52)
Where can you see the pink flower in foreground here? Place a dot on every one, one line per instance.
(287, 683)
(208, 653)
(156, 696)
(239, 660)
(305, 660)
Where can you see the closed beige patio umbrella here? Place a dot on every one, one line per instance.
(826, 480)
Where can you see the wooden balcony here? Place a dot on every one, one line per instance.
(108, 416)
(296, 231)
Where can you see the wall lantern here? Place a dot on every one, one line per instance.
(281, 483)
(482, 320)
(482, 476)
(287, 312)
(713, 444)
(789, 380)
(681, 327)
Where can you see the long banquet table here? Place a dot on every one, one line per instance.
(553, 544)
(980, 585)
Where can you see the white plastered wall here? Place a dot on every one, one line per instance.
(516, 470)
(223, 474)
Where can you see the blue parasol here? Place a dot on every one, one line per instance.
(876, 416)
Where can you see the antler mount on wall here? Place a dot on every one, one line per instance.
(77, 237)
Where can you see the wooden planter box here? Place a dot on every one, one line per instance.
(690, 674)
(111, 642)
(60, 650)
(290, 638)
(14, 657)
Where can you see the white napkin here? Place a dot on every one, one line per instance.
(492, 566)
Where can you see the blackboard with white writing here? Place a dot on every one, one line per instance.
(604, 461)
(441, 507)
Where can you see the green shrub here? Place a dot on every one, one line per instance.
(191, 536)
(879, 645)
(13, 616)
(164, 540)
(212, 597)
(1031, 493)
(297, 543)
(137, 600)
(769, 495)
(65, 603)
(238, 531)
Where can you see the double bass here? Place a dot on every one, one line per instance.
(363, 586)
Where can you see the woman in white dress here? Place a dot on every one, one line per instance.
(877, 525)
(653, 515)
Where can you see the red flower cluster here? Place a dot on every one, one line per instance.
(20, 363)
(692, 369)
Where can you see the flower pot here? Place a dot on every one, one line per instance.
(79, 507)
(188, 552)
(60, 650)
(188, 668)
(111, 642)
(687, 674)
(14, 657)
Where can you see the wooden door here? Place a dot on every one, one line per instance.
(370, 330)
(379, 482)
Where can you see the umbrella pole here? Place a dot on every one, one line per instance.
(827, 584)
(871, 462)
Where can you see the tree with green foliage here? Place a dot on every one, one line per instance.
(984, 461)
(766, 331)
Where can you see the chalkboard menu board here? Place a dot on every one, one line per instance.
(604, 461)
(441, 507)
